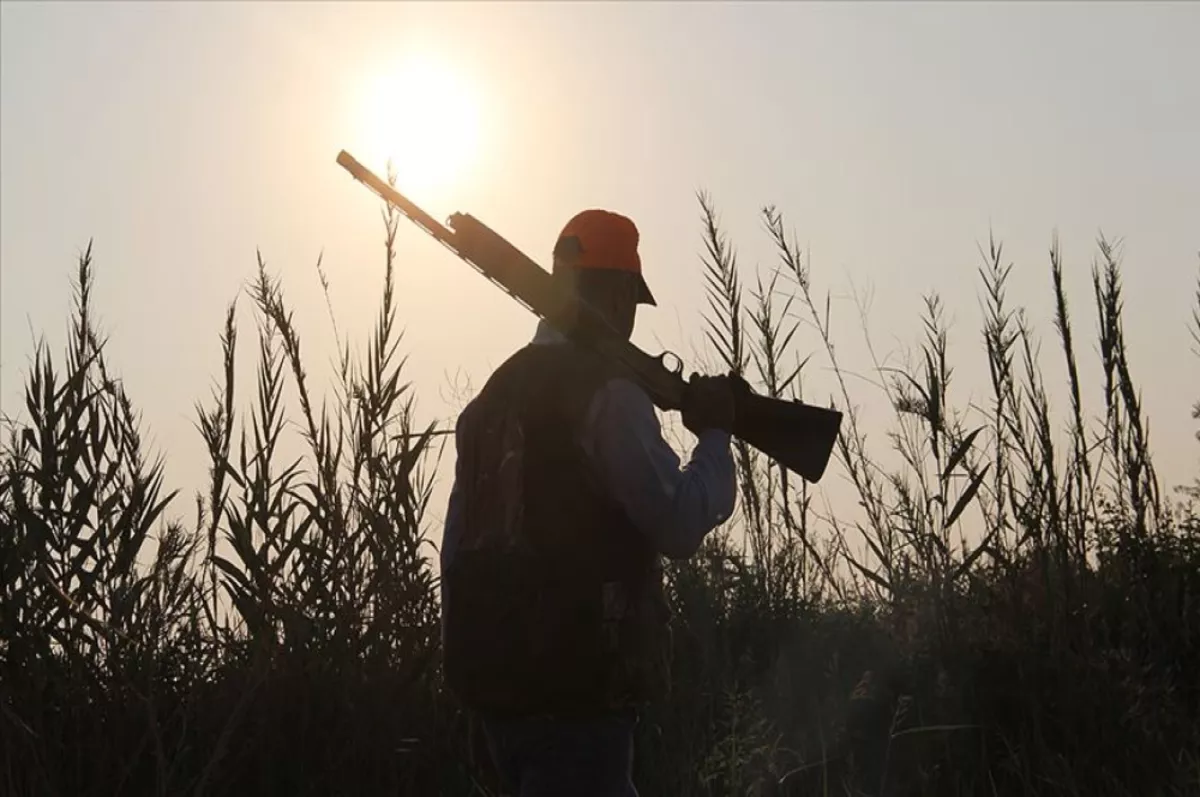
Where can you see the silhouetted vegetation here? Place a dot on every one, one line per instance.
(1012, 609)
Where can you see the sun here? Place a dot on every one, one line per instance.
(420, 115)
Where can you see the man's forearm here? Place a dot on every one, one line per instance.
(704, 499)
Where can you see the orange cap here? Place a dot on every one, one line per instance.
(601, 239)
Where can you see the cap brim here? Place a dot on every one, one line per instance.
(644, 294)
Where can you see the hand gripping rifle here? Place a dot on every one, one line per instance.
(797, 435)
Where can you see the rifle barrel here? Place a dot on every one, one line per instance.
(796, 435)
(396, 199)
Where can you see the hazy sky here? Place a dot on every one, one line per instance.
(893, 137)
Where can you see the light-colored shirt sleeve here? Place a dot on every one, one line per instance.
(676, 506)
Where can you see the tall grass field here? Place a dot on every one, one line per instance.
(1012, 607)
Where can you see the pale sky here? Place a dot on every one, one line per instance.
(893, 137)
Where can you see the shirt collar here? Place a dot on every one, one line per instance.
(547, 334)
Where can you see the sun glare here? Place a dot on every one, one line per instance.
(421, 116)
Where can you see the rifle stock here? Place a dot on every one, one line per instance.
(799, 436)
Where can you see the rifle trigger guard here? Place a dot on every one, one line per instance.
(678, 367)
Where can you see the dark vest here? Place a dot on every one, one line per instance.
(553, 601)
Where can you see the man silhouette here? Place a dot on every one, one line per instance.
(565, 499)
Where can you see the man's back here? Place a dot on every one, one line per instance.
(548, 586)
(566, 498)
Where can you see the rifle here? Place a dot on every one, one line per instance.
(799, 436)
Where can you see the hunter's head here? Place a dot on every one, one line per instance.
(597, 251)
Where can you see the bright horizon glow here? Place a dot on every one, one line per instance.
(422, 117)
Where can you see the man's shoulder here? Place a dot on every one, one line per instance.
(504, 372)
